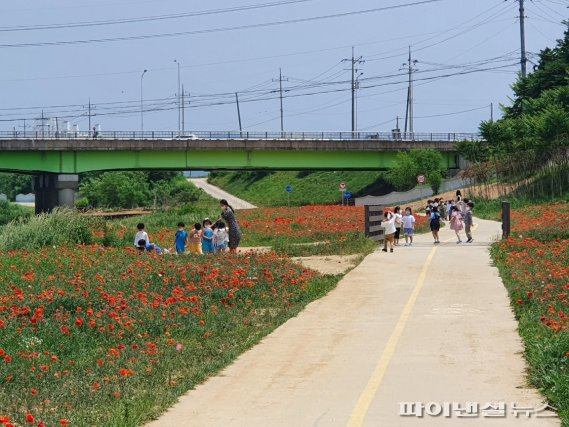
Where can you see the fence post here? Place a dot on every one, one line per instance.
(505, 220)
(366, 221)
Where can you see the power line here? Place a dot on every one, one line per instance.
(215, 30)
(149, 18)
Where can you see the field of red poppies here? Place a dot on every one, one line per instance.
(534, 263)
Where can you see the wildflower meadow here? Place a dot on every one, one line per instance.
(534, 265)
(100, 334)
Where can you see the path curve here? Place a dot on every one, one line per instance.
(423, 324)
(218, 193)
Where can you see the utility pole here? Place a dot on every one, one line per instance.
(238, 112)
(523, 58)
(183, 112)
(523, 38)
(89, 117)
(179, 99)
(409, 111)
(491, 112)
(281, 96)
(42, 124)
(142, 103)
(355, 61)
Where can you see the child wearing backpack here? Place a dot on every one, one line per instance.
(435, 223)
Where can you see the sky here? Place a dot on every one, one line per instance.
(58, 56)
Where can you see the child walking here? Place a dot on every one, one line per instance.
(220, 237)
(398, 224)
(195, 240)
(181, 238)
(468, 222)
(207, 237)
(408, 221)
(388, 224)
(435, 223)
(456, 223)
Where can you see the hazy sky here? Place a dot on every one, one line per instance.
(448, 37)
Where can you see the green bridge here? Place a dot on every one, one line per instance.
(55, 162)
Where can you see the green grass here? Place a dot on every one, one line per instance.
(309, 188)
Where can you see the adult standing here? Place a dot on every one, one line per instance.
(228, 214)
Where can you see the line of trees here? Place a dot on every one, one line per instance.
(528, 149)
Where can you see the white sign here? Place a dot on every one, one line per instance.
(342, 186)
(421, 179)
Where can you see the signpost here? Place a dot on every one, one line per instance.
(421, 181)
(343, 190)
(288, 190)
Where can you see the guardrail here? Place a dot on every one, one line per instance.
(246, 135)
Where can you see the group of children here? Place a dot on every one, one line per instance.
(458, 212)
(204, 238)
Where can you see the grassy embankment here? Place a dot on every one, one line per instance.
(309, 188)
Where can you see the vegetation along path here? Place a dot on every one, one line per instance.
(424, 324)
(218, 193)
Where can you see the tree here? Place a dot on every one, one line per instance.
(413, 163)
(12, 184)
(118, 190)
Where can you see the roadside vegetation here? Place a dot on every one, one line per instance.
(533, 264)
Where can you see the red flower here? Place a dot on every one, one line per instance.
(34, 391)
(30, 418)
(520, 302)
(78, 321)
(7, 359)
(64, 421)
(42, 424)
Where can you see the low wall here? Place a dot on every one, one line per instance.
(416, 193)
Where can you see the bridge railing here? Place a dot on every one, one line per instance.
(245, 135)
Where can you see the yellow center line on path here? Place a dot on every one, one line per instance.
(362, 406)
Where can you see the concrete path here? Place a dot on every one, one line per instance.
(425, 324)
(218, 193)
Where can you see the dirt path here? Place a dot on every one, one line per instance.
(218, 193)
(425, 324)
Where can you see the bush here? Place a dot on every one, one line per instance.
(117, 190)
(59, 227)
(10, 212)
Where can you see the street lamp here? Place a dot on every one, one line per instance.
(141, 103)
(179, 98)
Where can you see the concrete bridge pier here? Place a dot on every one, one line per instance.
(53, 190)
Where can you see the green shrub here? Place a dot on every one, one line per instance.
(59, 227)
(10, 212)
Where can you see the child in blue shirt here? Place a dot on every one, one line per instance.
(207, 237)
(181, 238)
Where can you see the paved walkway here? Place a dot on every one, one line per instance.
(424, 324)
(218, 193)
